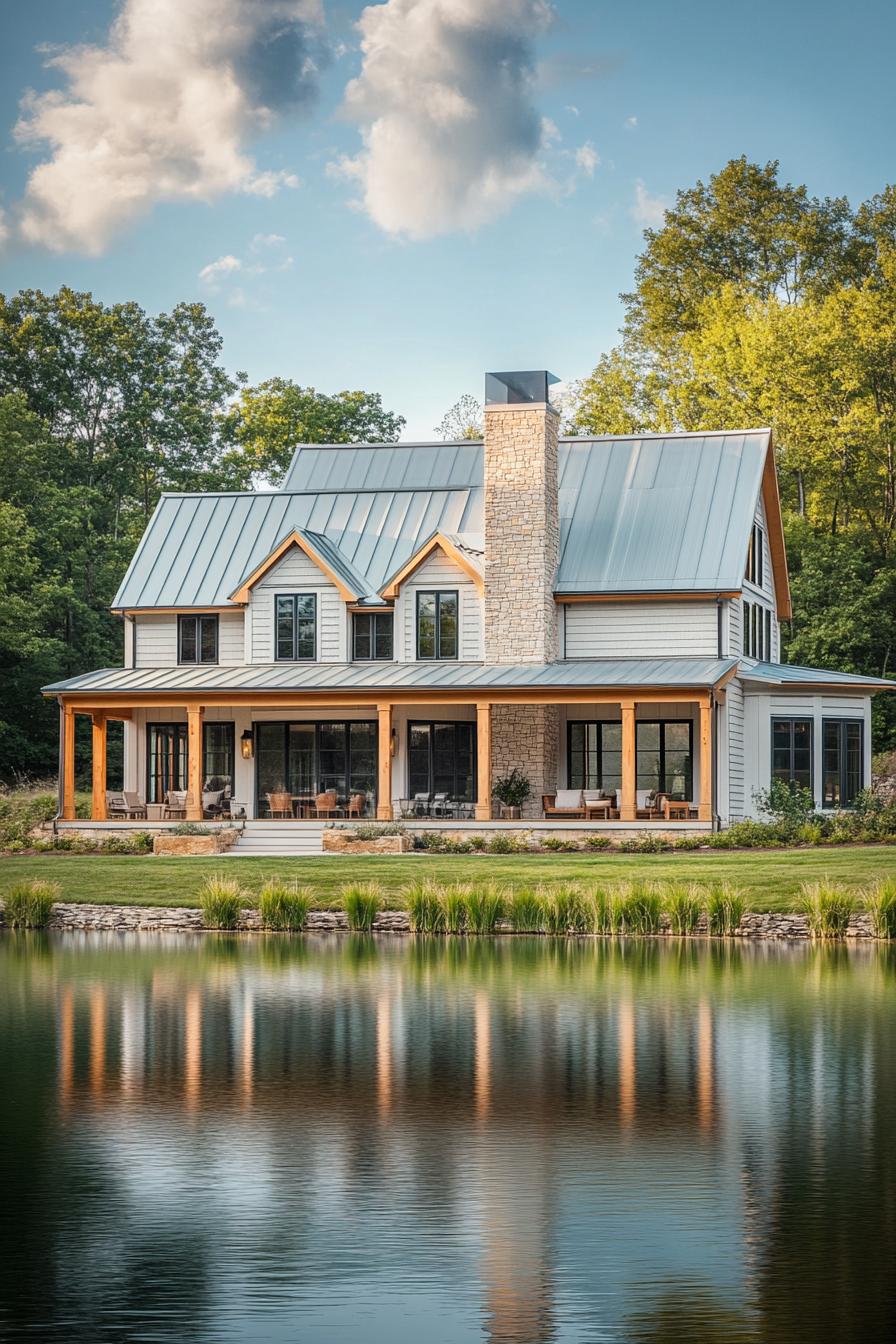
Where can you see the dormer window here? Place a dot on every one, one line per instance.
(754, 572)
(372, 636)
(197, 639)
(296, 627)
(437, 625)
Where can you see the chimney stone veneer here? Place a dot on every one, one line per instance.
(522, 548)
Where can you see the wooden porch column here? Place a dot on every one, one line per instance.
(68, 763)
(194, 762)
(484, 762)
(629, 769)
(98, 768)
(384, 763)
(704, 804)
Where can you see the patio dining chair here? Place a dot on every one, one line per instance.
(279, 804)
(135, 805)
(326, 804)
(356, 805)
(116, 804)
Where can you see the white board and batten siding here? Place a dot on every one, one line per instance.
(296, 573)
(155, 639)
(439, 573)
(641, 629)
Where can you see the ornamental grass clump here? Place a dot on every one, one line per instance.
(28, 905)
(603, 908)
(486, 904)
(684, 906)
(455, 901)
(880, 903)
(362, 902)
(526, 910)
(642, 908)
(564, 910)
(284, 906)
(725, 907)
(220, 900)
(827, 908)
(426, 913)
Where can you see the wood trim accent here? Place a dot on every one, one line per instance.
(483, 761)
(629, 758)
(384, 763)
(294, 539)
(68, 763)
(132, 612)
(194, 762)
(724, 680)
(441, 542)
(570, 599)
(98, 768)
(704, 805)
(771, 499)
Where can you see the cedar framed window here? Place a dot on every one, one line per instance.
(372, 636)
(437, 625)
(197, 639)
(295, 627)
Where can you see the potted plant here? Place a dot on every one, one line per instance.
(511, 792)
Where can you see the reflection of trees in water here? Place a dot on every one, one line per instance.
(690, 1314)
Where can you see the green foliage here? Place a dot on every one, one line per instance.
(512, 790)
(362, 902)
(684, 905)
(790, 804)
(455, 904)
(220, 900)
(725, 907)
(374, 829)
(595, 841)
(133, 842)
(644, 844)
(749, 835)
(560, 844)
(20, 811)
(641, 908)
(604, 907)
(880, 903)
(508, 842)
(284, 906)
(191, 828)
(28, 905)
(827, 908)
(426, 911)
(565, 910)
(526, 910)
(486, 904)
(463, 420)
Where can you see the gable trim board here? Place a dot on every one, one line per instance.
(295, 538)
(391, 588)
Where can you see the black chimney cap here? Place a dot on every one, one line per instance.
(511, 389)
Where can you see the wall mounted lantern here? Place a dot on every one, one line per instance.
(247, 745)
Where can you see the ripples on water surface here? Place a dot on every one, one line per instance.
(353, 1139)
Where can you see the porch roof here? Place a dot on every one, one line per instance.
(790, 674)
(381, 677)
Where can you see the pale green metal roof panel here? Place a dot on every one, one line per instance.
(572, 674)
(789, 674)
(399, 466)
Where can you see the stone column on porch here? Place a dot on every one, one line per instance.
(98, 767)
(483, 762)
(384, 763)
(195, 715)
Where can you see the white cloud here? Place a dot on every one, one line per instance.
(630, 123)
(572, 110)
(163, 111)
(265, 255)
(445, 106)
(211, 273)
(648, 211)
(550, 132)
(587, 158)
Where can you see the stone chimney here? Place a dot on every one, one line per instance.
(522, 552)
(522, 527)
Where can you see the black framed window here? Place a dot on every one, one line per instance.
(166, 759)
(594, 754)
(295, 627)
(372, 635)
(757, 634)
(755, 563)
(310, 757)
(197, 639)
(842, 761)
(217, 757)
(664, 750)
(437, 622)
(792, 751)
(442, 759)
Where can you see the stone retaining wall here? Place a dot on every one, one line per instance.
(340, 842)
(176, 846)
(165, 919)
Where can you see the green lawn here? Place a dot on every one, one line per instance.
(770, 879)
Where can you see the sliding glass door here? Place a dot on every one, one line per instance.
(167, 763)
(442, 759)
(304, 759)
(664, 750)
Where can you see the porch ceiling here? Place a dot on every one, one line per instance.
(625, 675)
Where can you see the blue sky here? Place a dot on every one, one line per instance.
(347, 246)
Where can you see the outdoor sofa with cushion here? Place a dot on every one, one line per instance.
(563, 803)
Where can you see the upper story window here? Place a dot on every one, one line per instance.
(296, 622)
(757, 641)
(372, 635)
(437, 625)
(197, 639)
(754, 573)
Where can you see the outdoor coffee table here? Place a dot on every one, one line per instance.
(601, 808)
(155, 811)
(676, 810)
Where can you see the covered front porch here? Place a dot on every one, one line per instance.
(428, 759)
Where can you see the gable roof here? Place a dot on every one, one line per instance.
(639, 514)
(462, 548)
(321, 551)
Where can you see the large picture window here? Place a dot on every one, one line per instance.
(304, 759)
(372, 635)
(437, 625)
(442, 759)
(594, 755)
(197, 639)
(167, 760)
(665, 757)
(842, 761)
(792, 751)
(295, 616)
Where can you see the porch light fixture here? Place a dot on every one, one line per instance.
(247, 745)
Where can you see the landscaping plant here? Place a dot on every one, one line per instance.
(827, 908)
(485, 906)
(724, 909)
(426, 913)
(284, 906)
(220, 900)
(28, 905)
(362, 902)
(642, 908)
(455, 904)
(683, 906)
(526, 910)
(880, 902)
(564, 910)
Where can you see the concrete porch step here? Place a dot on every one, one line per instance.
(279, 838)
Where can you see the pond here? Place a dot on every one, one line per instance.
(396, 1140)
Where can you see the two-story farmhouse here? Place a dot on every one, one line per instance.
(398, 626)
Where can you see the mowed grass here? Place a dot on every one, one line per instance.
(770, 880)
